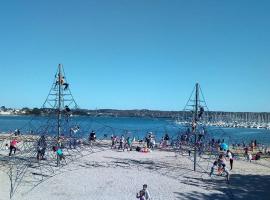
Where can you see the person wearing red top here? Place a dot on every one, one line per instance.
(13, 146)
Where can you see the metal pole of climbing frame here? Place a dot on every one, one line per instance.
(195, 124)
(59, 111)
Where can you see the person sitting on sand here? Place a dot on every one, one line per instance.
(138, 148)
(145, 150)
(257, 156)
(161, 144)
(13, 146)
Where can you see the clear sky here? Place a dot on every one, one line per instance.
(139, 54)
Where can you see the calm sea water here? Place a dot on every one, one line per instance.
(135, 127)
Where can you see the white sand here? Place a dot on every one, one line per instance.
(109, 175)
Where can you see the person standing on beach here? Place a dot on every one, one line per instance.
(166, 139)
(92, 137)
(147, 194)
(252, 146)
(152, 143)
(122, 139)
(41, 147)
(129, 144)
(246, 153)
(230, 156)
(113, 139)
(147, 140)
(249, 157)
(17, 132)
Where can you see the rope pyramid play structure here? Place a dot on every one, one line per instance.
(45, 145)
(197, 140)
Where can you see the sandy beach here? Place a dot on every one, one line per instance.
(106, 174)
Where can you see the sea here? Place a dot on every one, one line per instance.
(127, 126)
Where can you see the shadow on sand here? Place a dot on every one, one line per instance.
(241, 187)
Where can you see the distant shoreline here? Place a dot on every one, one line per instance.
(257, 120)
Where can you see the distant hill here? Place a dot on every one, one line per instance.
(261, 117)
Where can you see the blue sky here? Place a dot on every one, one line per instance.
(127, 54)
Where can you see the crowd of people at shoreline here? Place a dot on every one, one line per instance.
(252, 150)
(148, 144)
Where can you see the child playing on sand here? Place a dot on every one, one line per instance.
(221, 167)
(13, 146)
(59, 152)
